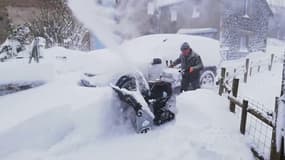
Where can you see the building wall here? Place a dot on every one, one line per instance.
(236, 27)
(277, 23)
(22, 15)
(3, 21)
(209, 16)
(16, 12)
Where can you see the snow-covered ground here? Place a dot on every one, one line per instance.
(264, 87)
(61, 120)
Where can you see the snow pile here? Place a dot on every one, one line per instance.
(13, 73)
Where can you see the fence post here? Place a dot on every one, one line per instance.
(271, 62)
(221, 86)
(235, 93)
(258, 69)
(273, 150)
(243, 116)
(246, 70)
(283, 76)
(250, 71)
(282, 156)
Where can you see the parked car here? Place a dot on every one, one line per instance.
(167, 48)
(157, 49)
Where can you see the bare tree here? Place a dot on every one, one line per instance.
(58, 26)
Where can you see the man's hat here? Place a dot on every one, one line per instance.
(184, 46)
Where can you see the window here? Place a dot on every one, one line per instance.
(150, 8)
(196, 12)
(244, 43)
(173, 15)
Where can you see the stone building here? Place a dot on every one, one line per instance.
(171, 16)
(242, 26)
(277, 24)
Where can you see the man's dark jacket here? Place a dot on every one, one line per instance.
(192, 60)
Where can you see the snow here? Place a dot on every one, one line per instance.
(280, 3)
(167, 47)
(263, 87)
(137, 96)
(24, 72)
(196, 31)
(276, 47)
(102, 23)
(163, 3)
(61, 120)
(65, 133)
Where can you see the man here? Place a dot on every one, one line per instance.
(191, 65)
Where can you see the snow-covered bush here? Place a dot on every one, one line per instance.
(9, 49)
(22, 34)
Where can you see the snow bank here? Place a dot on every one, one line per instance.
(11, 73)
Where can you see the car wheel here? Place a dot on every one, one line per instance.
(207, 79)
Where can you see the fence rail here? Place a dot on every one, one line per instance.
(250, 68)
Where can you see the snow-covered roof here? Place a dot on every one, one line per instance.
(196, 30)
(280, 3)
(163, 3)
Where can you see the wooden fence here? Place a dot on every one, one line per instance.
(246, 109)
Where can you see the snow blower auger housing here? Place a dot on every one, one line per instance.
(150, 101)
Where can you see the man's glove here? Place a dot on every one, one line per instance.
(191, 69)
